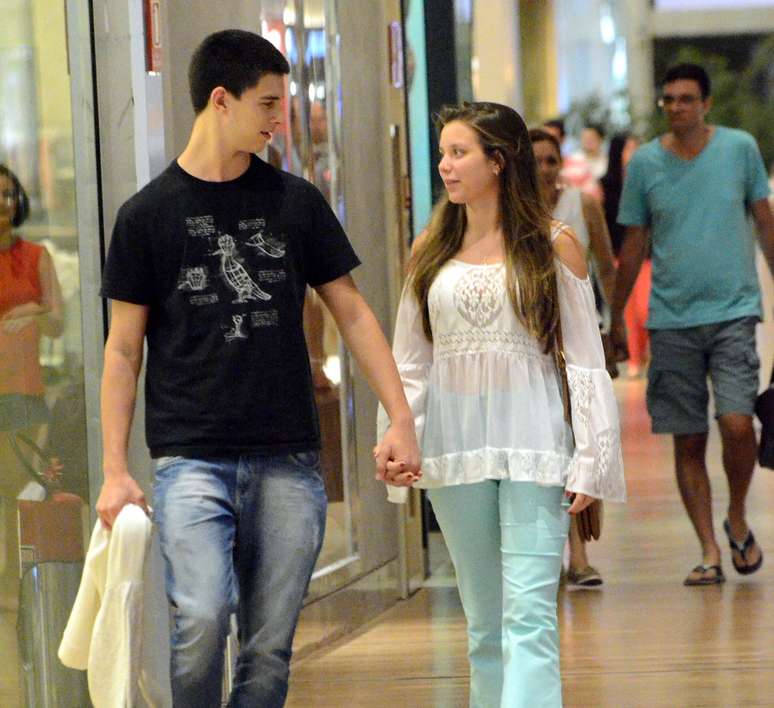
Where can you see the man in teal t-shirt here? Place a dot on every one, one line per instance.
(693, 190)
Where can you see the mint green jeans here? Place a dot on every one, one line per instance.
(506, 541)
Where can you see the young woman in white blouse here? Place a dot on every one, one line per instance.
(474, 337)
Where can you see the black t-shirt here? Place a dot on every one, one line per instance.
(223, 267)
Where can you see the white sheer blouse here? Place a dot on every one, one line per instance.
(486, 400)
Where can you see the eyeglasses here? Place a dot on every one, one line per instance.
(9, 197)
(684, 99)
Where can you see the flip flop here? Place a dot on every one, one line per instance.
(742, 549)
(704, 578)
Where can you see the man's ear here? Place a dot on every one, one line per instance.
(219, 98)
(708, 103)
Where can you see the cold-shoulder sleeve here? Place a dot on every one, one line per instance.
(596, 467)
(413, 354)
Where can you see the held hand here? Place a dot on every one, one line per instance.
(396, 474)
(116, 493)
(619, 339)
(397, 456)
(579, 503)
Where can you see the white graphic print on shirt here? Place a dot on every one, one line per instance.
(235, 274)
(193, 279)
(236, 267)
(236, 331)
(265, 244)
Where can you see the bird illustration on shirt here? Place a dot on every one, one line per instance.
(235, 274)
(260, 242)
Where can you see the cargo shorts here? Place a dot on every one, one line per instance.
(681, 362)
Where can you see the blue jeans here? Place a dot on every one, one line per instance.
(506, 540)
(238, 534)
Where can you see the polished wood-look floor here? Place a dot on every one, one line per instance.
(641, 640)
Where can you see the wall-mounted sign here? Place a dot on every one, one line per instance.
(152, 14)
(395, 44)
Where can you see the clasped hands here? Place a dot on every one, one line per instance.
(398, 463)
(397, 456)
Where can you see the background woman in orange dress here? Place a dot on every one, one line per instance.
(30, 305)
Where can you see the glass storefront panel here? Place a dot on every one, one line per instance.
(43, 461)
(307, 145)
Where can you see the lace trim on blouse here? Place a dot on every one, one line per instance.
(475, 341)
(605, 480)
(541, 466)
(582, 390)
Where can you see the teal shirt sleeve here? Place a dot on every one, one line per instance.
(757, 182)
(633, 209)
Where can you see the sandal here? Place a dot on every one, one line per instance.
(589, 577)
(742, 549)
(704, 577)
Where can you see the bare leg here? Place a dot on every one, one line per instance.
(739, 454)
(580, 572)
(693, 481)
(578, 558)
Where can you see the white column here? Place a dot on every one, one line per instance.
(496, 70)
(149, 154)
(639, 60)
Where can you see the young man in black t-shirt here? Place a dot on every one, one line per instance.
(210, 263)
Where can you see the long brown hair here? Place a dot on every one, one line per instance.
(524, 220)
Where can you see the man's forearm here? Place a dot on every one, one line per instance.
(118, 394)
(365, 339)
(629, 263)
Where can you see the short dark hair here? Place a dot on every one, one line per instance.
(557, 123)
(21, 200)
(538, 135)
(234, 59)
(597, 128)
(692, 72)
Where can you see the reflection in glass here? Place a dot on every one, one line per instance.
(303, 147)
(43, 469)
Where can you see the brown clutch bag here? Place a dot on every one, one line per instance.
(589, 521)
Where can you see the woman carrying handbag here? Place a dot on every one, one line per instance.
(475, 338)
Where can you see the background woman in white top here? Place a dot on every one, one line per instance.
(473, 341)
(584, 215)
